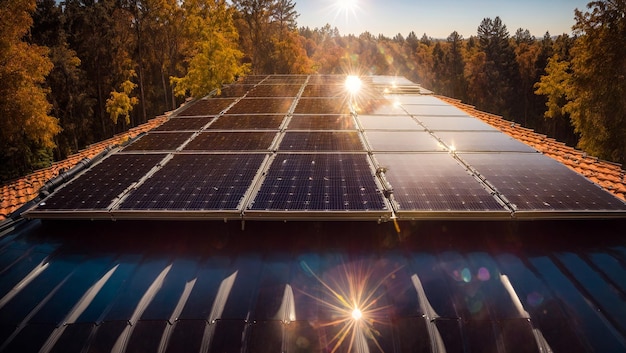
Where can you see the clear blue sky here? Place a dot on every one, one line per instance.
(438, 18)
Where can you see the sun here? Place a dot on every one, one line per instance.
(347, 5)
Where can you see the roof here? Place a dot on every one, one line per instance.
(413, 283)
(305, 147)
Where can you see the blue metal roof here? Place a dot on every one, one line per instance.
(434, 286)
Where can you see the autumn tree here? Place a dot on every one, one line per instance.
(216, 59)
(26, 130)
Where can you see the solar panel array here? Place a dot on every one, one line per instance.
(303, 147)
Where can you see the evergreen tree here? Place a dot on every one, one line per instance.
(598, 98)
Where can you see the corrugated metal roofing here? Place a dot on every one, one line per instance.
(292, 287)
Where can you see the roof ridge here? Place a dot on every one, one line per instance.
(609, 175)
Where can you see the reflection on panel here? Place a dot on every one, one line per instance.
(197, 182)
(326, 90)
(274, 90)
(319, 182)
(165, 141)
(321, 141)
(184, 124)
(482, 141)
(448, 123)
(402, 141)
(101, 184)
(261, 106)
(248, 122)
(379, 107)
(388, 122)
(231, 141)
(434, 182)
(212, 106)
(531, 181)
(322, 122)
(322, 106)
(416, 99)
(433, 110)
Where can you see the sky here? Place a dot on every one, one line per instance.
(437, 18)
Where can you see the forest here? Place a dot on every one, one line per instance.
(75, 72)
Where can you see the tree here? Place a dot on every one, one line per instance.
(217, 59)
(26, 130)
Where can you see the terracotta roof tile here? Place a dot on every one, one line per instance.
(608, 175)
(18, 192)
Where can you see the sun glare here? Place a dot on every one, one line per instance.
(353, 84)
(346, 5)
(357, 314)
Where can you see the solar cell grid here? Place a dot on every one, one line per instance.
(434, 182)
(322, 106)
(326, 79)
(197, 182)
(291, 79)
(184, 124)
(482, 141)
(248, 122)
(234, 91)
(98, 186)
(319, 182)
(322, 122)
(274, 90)
(231, 141)
(252, 79)
(159, 141)
(211, 106)
(321, 141)
(402, 141)
(262, 106)
(450, 123)
(388, 122)
(416, 99)
(532, 182)
(334, 90)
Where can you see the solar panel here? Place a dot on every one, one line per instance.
(319, 182)
(379, 107)
(449, 123)
(416, 99)
(98, 186)
(388, 122)
(327, 79)
(161, 141)
(482, 141)
(322, 106)
(425, 182)
(183, 124)
(262, 106)
(197, 182)
(402, 141)
(212, 106)
(274, 90)
(322, 122)
(285, 79)
(326, 90)
(321, 141)
(252, 79)
(234, 91)
(433, 110)
(534, 182)
(248, 122)
(231, 141)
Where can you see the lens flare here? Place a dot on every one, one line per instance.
(353, 306)
(353, 84)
